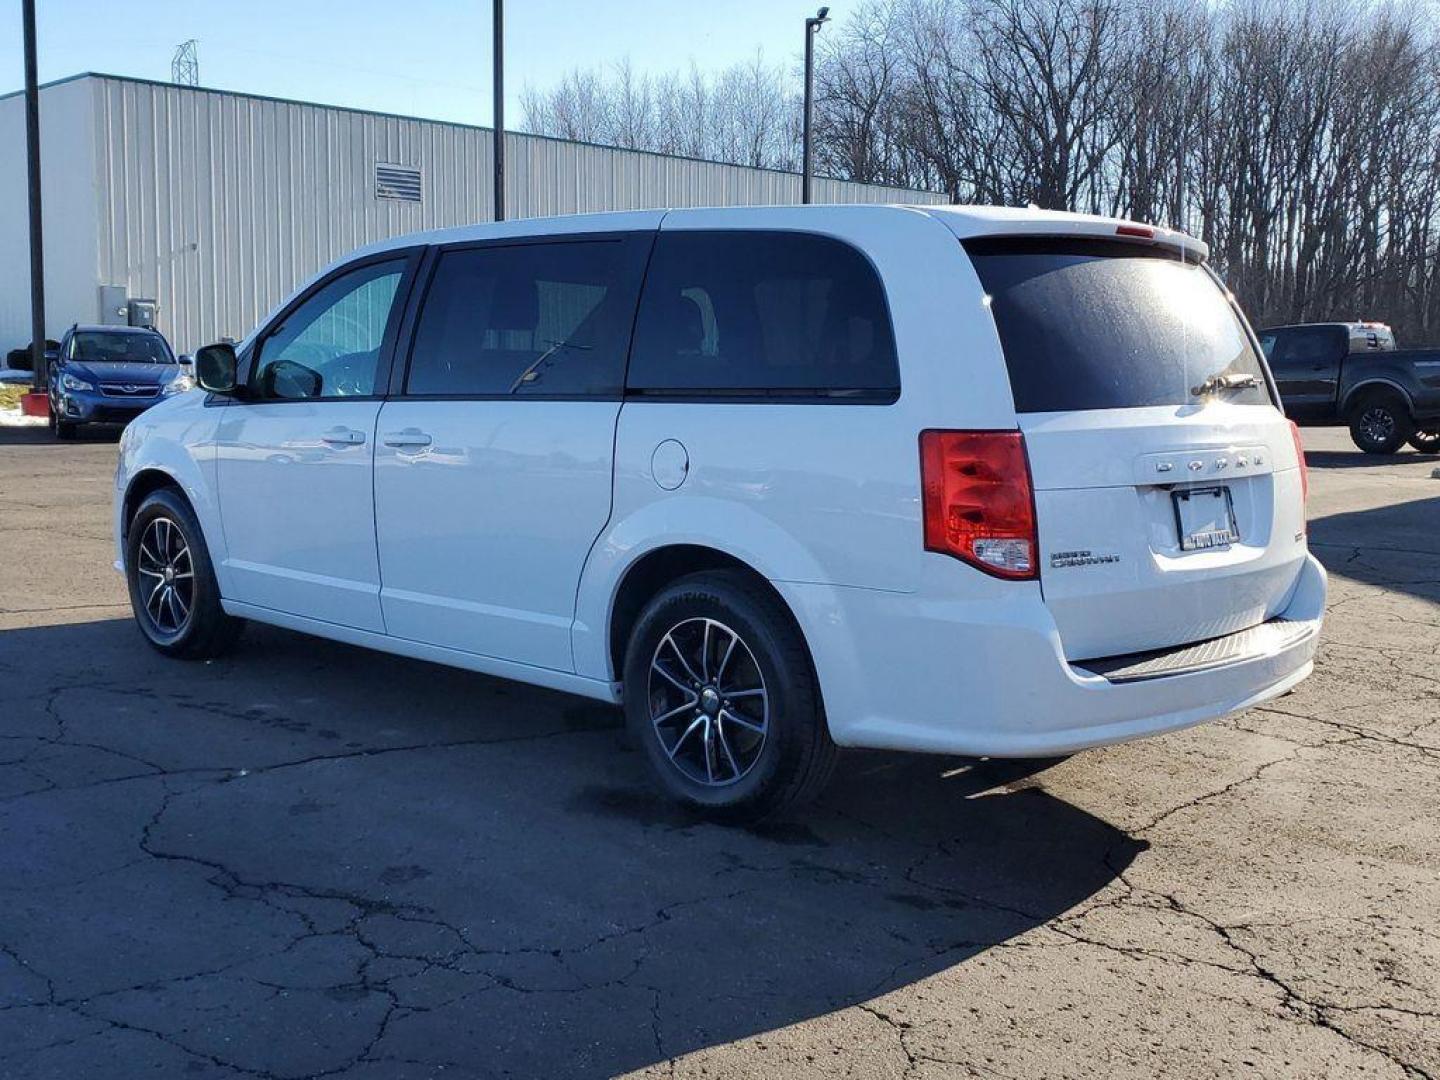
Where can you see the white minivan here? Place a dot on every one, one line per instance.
(780, 480)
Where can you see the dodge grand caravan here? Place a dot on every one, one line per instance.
(779, 480)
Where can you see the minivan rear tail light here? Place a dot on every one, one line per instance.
(979, 505)
(1304, 468)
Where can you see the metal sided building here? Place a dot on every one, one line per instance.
(215, 205)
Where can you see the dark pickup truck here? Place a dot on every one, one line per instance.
(1352, 373)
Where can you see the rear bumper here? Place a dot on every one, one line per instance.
(989, 678)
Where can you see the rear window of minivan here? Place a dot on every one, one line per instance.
(1101, 324)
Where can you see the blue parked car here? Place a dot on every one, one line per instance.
(111, 374)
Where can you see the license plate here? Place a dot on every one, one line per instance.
(1205, 518)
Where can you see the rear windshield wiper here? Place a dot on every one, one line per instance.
(1222, 381)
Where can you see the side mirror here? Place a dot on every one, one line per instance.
(185, 360)
(215, 368)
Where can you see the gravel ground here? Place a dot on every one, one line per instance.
(311, 860)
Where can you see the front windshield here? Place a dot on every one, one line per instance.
(100, 347)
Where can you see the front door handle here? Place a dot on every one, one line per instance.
(343, 436)
(410, 437)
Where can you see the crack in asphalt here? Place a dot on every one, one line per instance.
(1360, 734)
(914, 1058)
(377, 972)
(236, 886)
(1316, 1013)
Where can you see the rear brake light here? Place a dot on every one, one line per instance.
(1300, 456)
(1135, 230)
(978, 502)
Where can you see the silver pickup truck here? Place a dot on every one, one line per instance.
(1353, 374)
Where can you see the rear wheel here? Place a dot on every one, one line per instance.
(1380, 423)
(721, 696)
(1427, 441)
(172, 583)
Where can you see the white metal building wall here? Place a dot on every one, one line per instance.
(69, 218)
(218, 205)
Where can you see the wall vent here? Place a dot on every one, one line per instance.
(397, 182)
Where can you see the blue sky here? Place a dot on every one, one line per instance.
(421, 57)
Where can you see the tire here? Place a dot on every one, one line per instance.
(62, 429)
(750, 739)
(164, 535)
(1426, 440)
(1380, 423)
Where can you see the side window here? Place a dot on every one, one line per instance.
(539, 320)
(1282, 353)
(330, 345)
(762, 313)
(1311, 345)
(1267, 345)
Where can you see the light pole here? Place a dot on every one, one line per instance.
(39, 376)
(812, 27)
(499, 55)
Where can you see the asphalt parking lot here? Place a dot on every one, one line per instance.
(311, 860)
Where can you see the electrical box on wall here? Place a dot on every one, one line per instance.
(142, 312)
(114, 305)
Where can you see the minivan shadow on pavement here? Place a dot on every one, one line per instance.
(36, 434)
(308, 858)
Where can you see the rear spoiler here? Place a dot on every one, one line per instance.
(1170, 239)
(1052, 223)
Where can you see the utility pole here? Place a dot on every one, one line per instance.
(812, 27)
(185, 64)
(39, 376)
(499, 55)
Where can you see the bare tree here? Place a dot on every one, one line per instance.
(860, 132)
(1299, 138)
(741, 114)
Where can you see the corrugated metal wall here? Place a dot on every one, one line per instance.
(217, 205)
(69, 213)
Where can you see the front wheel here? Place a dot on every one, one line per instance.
(721, 695)
(172, 583)
(1427, 440)
(62, 429)
(1380, 423)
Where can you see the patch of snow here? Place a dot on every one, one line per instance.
(15, 418)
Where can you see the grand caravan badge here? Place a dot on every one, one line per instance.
(1061, 559)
